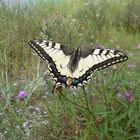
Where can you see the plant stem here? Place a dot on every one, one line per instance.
(72, 101)
(88, 108)
(105, 101)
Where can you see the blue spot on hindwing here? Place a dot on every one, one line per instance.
(60, 78)
(84, 77)
(64, 79)
(75, 82)
(88, 73)
(80, 80)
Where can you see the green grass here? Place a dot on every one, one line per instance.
(99, 114)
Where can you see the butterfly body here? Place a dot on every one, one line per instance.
(74, 67)
(75, 57)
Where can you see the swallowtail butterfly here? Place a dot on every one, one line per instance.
(74, 67)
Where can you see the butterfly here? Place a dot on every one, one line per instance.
(74, 67)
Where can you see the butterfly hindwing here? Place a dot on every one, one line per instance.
(102, 58)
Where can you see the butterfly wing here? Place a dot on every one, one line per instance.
(102, 58)
(96, 59)
(57, 56)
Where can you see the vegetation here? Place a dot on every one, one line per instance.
(109, 108)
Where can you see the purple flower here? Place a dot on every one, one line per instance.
(132, 66)
(138, 46)
(128, 96)
(22, 95)
(119, 95)
(98, 46)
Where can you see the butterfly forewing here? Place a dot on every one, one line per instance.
(102, 58)
(57, 56)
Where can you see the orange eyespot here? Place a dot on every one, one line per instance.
(69, 81)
